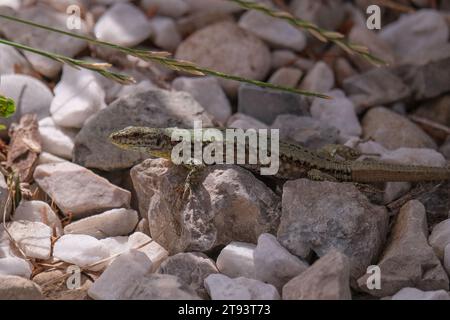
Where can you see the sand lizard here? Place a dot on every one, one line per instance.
(295, 161)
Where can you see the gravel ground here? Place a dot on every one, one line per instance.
(87, 205)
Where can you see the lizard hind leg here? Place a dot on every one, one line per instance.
(317, 175)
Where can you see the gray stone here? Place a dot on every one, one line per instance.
(394, 131)
(282, 58)
(220, 287)
(223, 196)
(408, 260)
(429, 80)
(192, 268)
(287, 77)
(208, 93)
(78, 191)
(17, 288)
(274, 264)
(153, 108)
(306, 131)
(375, 87)
(276, 32)
(327, 279)
(265, 104)
(319, 79)
(112, 223)
(42, 39)
(215, 47)
(326, 14)
(319, 216)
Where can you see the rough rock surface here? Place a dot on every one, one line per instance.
(327, 279)
(321, 216)
(408, 260)
(223, 196)
(153, 108)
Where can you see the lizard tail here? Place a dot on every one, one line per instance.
(382, 172)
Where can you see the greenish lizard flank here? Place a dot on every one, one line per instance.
(294, 161)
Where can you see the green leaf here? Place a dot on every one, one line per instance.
(7, 107)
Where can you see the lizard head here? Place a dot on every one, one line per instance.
(156, 141)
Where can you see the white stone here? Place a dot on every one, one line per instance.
(288, 77)
(153, 250)
(208, 92)
(123, 24)
(140, 87)
(15, 4)
(79, 191)
(81, 250)
(276, 32)
(221, 287)
(170, 8)
(236, 260)
(116, 245)
(416, 32)
(416, 294)
(12, 60)
(78, 96)
(339, 113)
(46, 158)
(319, 79)
(34, 96)
(13, 266)
(274, 264)
(414, 156)
(38, 211)
(165, 33)
(120, 275)
(34, 238)
(440, 237)
(116, 222)
(56, 140)
(43, 39)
